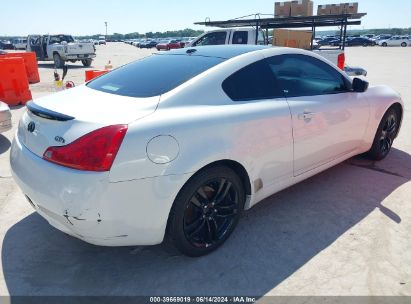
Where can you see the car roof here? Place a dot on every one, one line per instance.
(220, 51)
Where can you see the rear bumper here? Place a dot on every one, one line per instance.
(87, 206)
(80, 56)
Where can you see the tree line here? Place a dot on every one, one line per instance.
(168, 34)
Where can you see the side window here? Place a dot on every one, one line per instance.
(253, 82)
(301, 75)
(240, 37)
(215, 38)
(54, 39)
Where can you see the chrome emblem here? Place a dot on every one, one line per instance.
(31, 127)
(60, 139)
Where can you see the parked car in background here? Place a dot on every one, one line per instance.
(360, 41)
(148, 44)
(6, 45)
(5, 117)
(20, 43)
(369, 36)
(137, 42)
(403, 41)
(199, 135)
(61, 48)
(328, 41)
(168, 45)
(187, 41)
(102, 40)
(381, 37)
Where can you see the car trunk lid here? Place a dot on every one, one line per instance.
(61, 118)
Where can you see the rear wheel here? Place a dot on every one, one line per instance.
(386, 133)
(404, 44)
(206, 211)
(86, 62)
(58, 62)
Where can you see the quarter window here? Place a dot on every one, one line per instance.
(301, 75)
(253, 82)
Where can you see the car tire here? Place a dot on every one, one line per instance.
(404, 44)
(58, 62)
(86, 62)
(384, 44)
(206, 211)
(385, 135)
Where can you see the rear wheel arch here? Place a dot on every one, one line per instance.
(238, 168)
(399, 109)
(175, 228)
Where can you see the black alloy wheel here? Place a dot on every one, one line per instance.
(206, 211)
(386, 133)
(210, 213)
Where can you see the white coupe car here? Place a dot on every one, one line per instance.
(183, 142)
(5, 117)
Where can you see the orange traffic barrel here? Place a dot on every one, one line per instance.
(91, 74)
(30, 62)
(14, 85)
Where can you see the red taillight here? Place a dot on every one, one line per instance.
(341, 61)
(94, 151)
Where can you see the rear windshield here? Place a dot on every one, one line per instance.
(154, 75)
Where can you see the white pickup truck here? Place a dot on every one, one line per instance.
(247, 35)
(61, 48)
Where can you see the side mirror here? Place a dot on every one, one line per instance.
(359, 85)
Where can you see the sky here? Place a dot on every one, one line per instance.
(84, 17)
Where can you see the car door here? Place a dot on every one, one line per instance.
(395, 41)
(34, 43)
(265, 132)
(329, 120)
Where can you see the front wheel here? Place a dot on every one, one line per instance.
(86, 62)
(58, 62)
(385, 44)
(206, 211)
(386, 133)
(404, 44)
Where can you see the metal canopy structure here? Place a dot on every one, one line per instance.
(312, 22)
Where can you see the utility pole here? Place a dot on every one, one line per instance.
(106, 28)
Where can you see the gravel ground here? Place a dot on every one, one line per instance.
(343, 232)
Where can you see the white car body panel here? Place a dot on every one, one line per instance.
(326, 132)
(171, 138)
